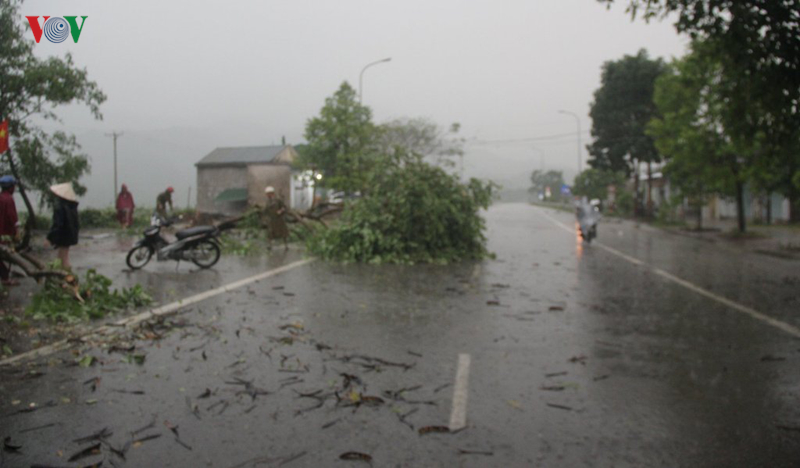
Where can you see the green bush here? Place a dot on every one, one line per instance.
(98, 218)
(414, 212)
(667, 214)
(42, 221)
(624, 203)
(55, 302)
(236, 244)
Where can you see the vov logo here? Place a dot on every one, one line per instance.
(56, 29)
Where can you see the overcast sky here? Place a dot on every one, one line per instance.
(183, 77)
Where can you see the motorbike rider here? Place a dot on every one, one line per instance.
(588, 215)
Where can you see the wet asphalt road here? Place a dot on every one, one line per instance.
(578, 358)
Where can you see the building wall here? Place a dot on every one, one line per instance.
(211, 181)
(754, 208)
(720, 208)
(260, 176)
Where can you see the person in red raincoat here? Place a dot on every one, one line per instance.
(8, 223)
(125, 207)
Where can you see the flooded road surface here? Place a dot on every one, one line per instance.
(623, 353)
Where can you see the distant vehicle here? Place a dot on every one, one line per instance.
(197, 244)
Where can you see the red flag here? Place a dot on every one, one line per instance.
(3, 136)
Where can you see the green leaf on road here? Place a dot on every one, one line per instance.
(87, 361)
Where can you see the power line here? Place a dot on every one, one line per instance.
(523, 140)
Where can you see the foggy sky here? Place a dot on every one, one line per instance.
(183, 77)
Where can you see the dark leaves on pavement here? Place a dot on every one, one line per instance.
(10, 447)
(433, 430)
(356, 456)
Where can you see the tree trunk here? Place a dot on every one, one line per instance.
(769, 208)
(700, 216)
(30, 223)
(794, 206)
(740, 206)
(636, 201)
(649, 205)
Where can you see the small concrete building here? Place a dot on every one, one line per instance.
(230, 179)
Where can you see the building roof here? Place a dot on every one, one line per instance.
(244, 155)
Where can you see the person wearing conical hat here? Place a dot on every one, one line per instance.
(272, 218)
(64, 231)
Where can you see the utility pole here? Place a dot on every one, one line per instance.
(115, 135)
(189, 198)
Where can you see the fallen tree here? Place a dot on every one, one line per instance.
(64, 297)
(413, 212)
(30, 265)
(250, 220)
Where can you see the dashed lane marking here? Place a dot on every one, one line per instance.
(458, 415)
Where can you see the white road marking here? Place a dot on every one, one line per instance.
(616, 252)
(790, 329)
(130, 322)
(458, 415)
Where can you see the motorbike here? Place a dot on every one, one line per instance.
(198, 244)
(588, 216)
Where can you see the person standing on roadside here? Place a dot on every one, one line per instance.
(272, 219)
(64, 232)
(125, 207)
(8, 224)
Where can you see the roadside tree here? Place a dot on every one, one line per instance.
(705, 156)
(757, 46)
(541, 180)
(594, 183)
(341, 141)
(622, 107)
(412, 208)
(30, 90)
(424, 137)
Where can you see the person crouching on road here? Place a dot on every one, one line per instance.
(125, 207)
(164, 198)
(8, 224)
(272, 219)
(64, 232)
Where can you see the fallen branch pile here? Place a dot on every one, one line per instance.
(34, 268)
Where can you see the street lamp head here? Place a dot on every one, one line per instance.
(361, 75)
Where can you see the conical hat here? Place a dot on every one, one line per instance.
(64, 191)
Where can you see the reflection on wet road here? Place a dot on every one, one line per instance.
(577, 357)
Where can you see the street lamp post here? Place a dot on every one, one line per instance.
(578, 121)
(361, 76)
